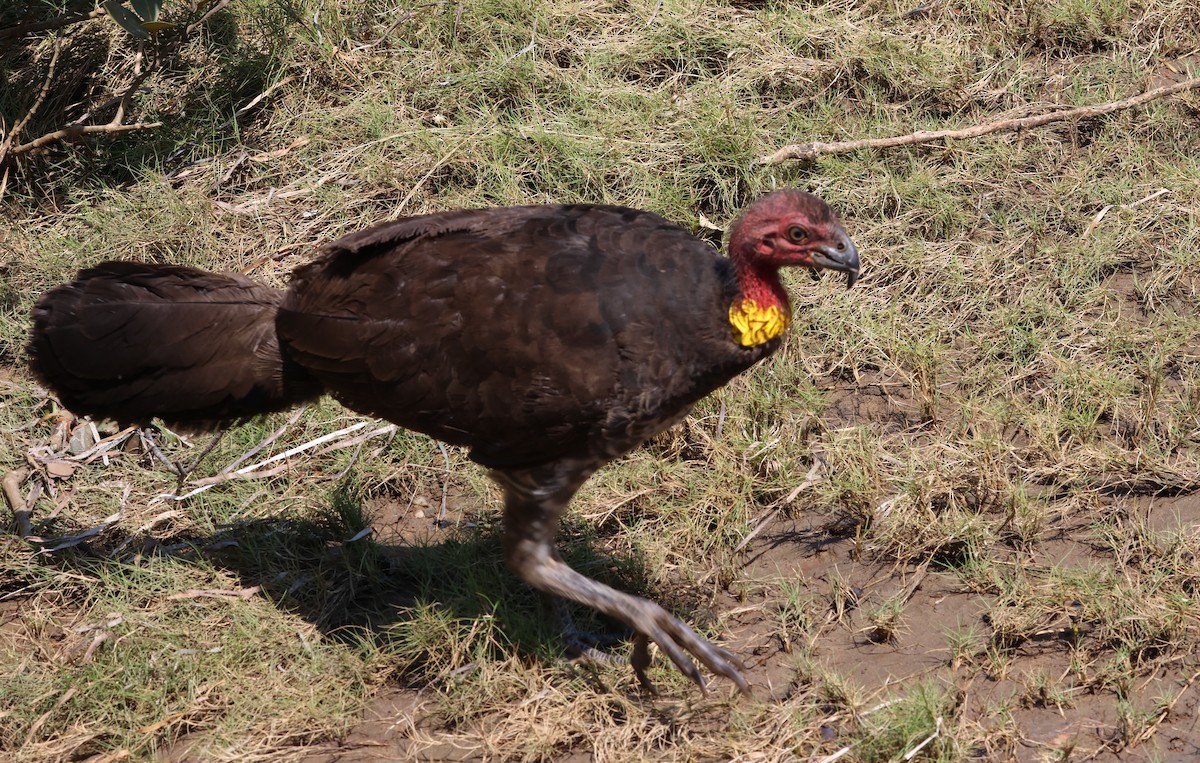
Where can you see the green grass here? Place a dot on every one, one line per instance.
(1007, 404)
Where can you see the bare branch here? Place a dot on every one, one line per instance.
(76, 131)
(810, 151)
(72, 132)
(212, 10)
(55, 23)
(6, 148)
(119, 117)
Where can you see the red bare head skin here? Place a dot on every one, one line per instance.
(787, 227)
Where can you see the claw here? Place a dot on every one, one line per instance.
(679, 641)
(640, 660)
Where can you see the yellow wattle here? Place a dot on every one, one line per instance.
(754, 325)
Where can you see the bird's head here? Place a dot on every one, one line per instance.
(791, 227)
(787, 227)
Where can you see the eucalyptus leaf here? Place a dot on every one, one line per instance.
(147, 9)
(126, 19)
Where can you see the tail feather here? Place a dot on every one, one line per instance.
(131, 341)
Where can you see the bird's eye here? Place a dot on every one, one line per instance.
(796, 234)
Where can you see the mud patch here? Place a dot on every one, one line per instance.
(391, 729)
(806, 609)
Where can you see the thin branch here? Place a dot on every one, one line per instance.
(6, 148)
(75, 131)
(256, 100)
(399, 210)
(119, 117)
(217, 593)
(69, 133)
(212, 10)
(810, 151)
(937, 732)
(149, 442)
(254, 470)
(72, 132)
(266, 442)
(445, 482)
(55, 23)
(384, 34)
(815, 475)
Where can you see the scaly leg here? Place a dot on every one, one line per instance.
(534, 501)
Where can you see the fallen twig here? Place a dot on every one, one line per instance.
(217, 593)
(810, 151)
(306, 446)
(445, 482)
(359, 439)
(207, 449)
(72, 132)
(1165, 711)
(247, 472)
(146, 434)
(837, 755)
(103, 446)
(257, 100)
(399, 210)
(212, 11)
(62, 700)
(208, 482)
(815, 475)
(937, 732)
(275, 194)
(1091, 228)
(9, 148)
(266, 442)
(384, 34)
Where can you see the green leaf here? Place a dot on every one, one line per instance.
(147, 9)
(154, 27)
(126, 19)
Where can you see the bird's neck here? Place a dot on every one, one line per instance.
(762, 311)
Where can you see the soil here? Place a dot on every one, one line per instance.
(805, 548)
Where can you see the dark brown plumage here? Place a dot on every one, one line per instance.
(547, 339)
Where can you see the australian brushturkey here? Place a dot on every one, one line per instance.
(546, 339)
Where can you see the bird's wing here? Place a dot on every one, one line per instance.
(524, 333)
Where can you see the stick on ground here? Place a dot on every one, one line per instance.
(810, 151)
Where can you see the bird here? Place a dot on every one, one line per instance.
(547, 340)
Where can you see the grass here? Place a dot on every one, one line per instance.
(1007, 405)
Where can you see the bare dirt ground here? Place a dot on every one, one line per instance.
(398, 725)
(812, 551)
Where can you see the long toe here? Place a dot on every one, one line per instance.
(682, 644)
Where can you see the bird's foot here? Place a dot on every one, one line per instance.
(679, 641)
(672, 636)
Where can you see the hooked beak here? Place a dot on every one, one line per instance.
(840, 254)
